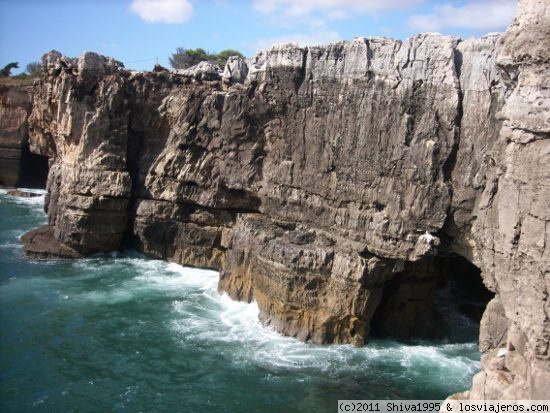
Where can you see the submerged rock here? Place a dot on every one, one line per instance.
(42, 243)
(22, 194)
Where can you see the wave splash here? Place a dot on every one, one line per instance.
(199, 315)
(121, 321)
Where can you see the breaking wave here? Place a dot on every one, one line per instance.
(121, 332)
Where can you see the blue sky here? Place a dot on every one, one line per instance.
(137, 32)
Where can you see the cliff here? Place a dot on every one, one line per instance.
(18, 166)
(334, 185)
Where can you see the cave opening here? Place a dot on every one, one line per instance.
(461, 297)
(441, 298)
(33, 169)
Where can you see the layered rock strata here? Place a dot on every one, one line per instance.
(510, 222)
(323, 181)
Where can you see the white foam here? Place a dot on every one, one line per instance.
(107, 298)
(202, 316)
(124, 279)
(433, 356)
(10, 245)
(218, 319)
(33, 190)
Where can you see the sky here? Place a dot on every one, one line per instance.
(141, 32)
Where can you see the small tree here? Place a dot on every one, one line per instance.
(6, 71)
(224, 55)
(185, 58)
(33, 68)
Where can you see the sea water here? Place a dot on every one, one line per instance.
(124, 333)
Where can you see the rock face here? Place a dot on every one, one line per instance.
(235, 70)
(80, 121)
(325, 184)
(18, 167)
(510, 232)
(15, 109)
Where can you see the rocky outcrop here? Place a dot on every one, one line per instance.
(80, 122)
(235, 70)
(326, 183)
(202, 71)
(41, 243)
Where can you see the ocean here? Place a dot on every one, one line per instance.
(124, 333)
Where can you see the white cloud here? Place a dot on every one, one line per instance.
(162, 11)
(481, 15)
(305, 30)
(332, 8)
(301, 39)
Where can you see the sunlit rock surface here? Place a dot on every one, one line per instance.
(321, 177)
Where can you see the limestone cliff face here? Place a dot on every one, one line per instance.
(316, 177)
(509, 233)
(17, 165)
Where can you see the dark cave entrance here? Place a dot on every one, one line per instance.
(433, 298)
(461, 297)
(33, 169)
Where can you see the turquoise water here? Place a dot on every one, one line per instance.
(123, 333)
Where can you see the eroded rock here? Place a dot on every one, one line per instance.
(202, 71)
(235, 70)
(330, 173)
(42, 243)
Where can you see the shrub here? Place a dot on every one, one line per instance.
(185, 58)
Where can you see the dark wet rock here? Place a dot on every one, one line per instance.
(23, 194)
(42, 243)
